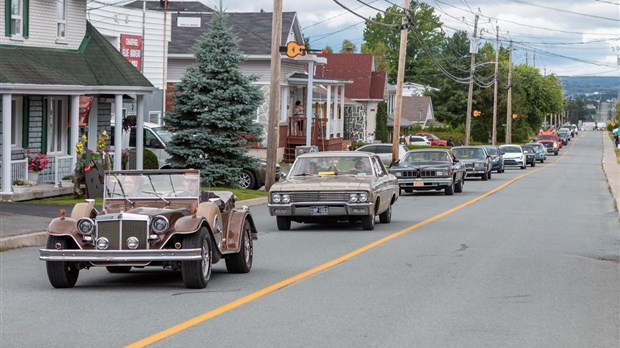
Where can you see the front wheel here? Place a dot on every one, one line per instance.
(533, 164)
(368, 222)
(247, 179)
(449, 191)
(61, 274)
(386, 216)
(196, 274)
(241, 262)
(458, 187)
(284, 223)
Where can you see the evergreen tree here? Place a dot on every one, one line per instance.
(214, 110)
(381, 131)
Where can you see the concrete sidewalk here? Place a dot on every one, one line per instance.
(18, 230)
(611, 167)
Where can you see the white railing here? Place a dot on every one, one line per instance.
(19, 170)
(58, 168)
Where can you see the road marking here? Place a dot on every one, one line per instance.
(301, 276)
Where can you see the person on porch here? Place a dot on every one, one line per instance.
(299, 109)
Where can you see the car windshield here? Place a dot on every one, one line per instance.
(335, 165)
(465, 152)
(511, 149)
(492, 150)
(547, 137)
(149, 185)
(426, 156)
(165, 135)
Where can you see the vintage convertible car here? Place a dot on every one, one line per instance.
(432, 169)
(334, 186)
(151, 218)
(476, 160)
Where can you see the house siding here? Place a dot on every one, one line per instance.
(35, 129)
(42, 27)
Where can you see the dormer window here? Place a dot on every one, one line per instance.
(16, 19)
(61, 19)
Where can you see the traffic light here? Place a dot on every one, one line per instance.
(477, 113)
(514, 116)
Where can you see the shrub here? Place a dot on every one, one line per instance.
(149, 161)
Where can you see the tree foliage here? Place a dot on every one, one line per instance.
(381, 132)
(348, 45)
(214, 109)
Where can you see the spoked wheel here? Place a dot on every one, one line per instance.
(61, 274)
(246, 179)
(196, 273)
(241, 262)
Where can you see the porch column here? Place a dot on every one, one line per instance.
(139, 131)
(75, 125)
(6, 143)
(309, 103)
(118, 130)
(329, 111)
(341, 123)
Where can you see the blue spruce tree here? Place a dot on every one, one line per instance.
(214, 110)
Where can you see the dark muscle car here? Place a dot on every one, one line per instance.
(432, 169)
(151, 218)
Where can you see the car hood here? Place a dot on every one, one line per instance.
(472, 160)
(324, 183)
(170, 214)
(421, 166)
(509, 155)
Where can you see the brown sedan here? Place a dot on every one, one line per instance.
(334, 186)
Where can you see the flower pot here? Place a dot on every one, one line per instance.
(21, 188)
(33, 176)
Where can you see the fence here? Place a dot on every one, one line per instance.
(19, 170)
(58, 168)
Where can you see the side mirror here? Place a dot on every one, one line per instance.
(456, 160)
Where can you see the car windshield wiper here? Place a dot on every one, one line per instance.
(122, 190)
(154, 192)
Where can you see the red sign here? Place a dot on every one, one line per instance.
(131, 48)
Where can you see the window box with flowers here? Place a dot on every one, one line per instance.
(36, 163)
(21, 186)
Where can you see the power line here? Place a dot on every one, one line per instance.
(566, 11)
(399, 26)
(609, 2)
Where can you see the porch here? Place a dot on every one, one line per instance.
(319, 135)
(49, 182)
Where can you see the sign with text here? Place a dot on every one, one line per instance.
(131, 48)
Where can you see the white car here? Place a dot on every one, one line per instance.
(385, 152)
(513, 155)
(419, 140)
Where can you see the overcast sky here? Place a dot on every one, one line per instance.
(564, 37)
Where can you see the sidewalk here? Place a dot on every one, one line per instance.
(611, 169)
(25, 230)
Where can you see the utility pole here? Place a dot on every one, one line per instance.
(509, 98)
(274, 95)
(494, 133)
(164, 77)
(473, 50)
(398, 107)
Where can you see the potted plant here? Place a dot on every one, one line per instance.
(21, 185)
(36, 164)
(67, 181)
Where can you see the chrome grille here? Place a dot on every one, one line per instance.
(418, 174)
(301, 197)
(117, 232)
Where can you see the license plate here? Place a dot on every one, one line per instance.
(418, 183)
(318, 210)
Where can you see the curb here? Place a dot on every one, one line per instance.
(40, 238)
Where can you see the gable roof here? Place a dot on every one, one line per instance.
(252, 29)
(416, 109)
(95, 64)
(173, 6)
(357, 67)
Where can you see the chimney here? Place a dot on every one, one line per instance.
(349, 49)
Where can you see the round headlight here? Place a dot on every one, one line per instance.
(286, 198)
(85, 226)
(353, 198)
(102, 243)
(133, 243)
(276, 198)
(159, 224)
(363, 197)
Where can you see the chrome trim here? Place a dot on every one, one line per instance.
(120, 255)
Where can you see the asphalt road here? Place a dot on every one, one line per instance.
(530, 258)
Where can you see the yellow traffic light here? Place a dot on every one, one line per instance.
(477, 113)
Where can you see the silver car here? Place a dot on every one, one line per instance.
(384, 151)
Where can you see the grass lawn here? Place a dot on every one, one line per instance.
(70, 200)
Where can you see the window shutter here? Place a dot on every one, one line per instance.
(26, 16)
(7, 18)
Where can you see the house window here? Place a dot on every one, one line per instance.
(154, 117)
(61, 19)
(16, 19)
(16, 121)
(57, 126)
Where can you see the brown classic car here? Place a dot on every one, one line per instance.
(151, 218)
(334, 186)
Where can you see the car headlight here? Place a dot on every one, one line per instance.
(440, 173)
(363, 197)
(159, 224)
(85, 226)
(276, 198)
(286, 199)
(102, 243)
(479, 165)
(353, 198)
(133, 243)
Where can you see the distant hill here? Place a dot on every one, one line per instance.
(578, 86)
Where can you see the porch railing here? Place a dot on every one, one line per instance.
(58, 168)
(297, 128)
(19, 170)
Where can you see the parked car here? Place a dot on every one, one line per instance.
(513, 155)
(151, 218)
(476, 160)
(432, 169)
(254, 177)
(540, 151)
(419, 140)
(530, 155)
(497, 158)
(435, 140)
(334, 186)
(384, 151)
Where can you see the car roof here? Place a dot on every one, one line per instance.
(428, 150)
(338, 153)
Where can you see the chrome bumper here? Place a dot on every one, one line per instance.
(428, 182)
(120, 255)
(334, 209)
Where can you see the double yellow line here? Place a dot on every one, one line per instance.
(301, 276)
